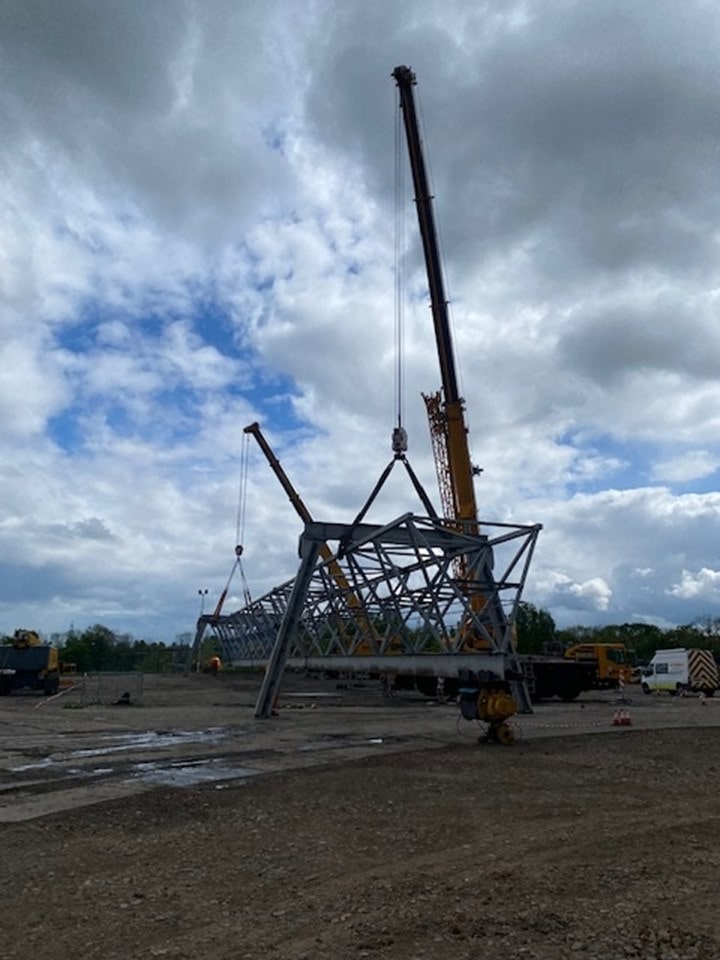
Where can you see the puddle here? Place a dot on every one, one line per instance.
(125, 742)
(70, 771)
(334, 741)
(190, 774)
(83, 772)
(45, 762)
(319, 696)
(152, 739)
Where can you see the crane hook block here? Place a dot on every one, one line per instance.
(238, 550)
(399, 440)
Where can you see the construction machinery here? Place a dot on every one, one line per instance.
(446, 414)
(543, 676)
(427, 597)
(27, 663)
(446, 410)
(366, 633)
(357, 634)
(357, 629)
(612, 662)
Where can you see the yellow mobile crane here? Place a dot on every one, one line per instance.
(550, 676)
(446, 409)
(446, 412)
(493, 702)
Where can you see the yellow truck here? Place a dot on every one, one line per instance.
(613, 662)
(28, 663)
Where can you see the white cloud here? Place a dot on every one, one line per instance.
(704, 584)
(692, 465)
(197, 232)
(590, 595)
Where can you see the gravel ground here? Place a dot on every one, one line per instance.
(566, 846)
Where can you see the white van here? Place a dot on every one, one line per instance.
(681, 670)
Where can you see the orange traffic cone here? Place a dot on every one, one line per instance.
(616, 719)
(626, 719)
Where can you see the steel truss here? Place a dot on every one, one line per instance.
(396, 607)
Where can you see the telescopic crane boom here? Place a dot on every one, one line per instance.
(448, 416)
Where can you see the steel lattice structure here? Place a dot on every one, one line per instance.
(397, 605)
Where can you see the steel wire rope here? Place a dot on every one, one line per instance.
(241, 513)
(239, 532)
(242, 490)
(399, 268)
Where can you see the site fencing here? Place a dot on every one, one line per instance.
(108, 689)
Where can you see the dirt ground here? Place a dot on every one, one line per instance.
(352, 826)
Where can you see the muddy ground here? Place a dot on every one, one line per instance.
(355, 826)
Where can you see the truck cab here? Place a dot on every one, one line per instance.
(613, 661)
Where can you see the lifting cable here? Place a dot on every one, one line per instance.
(399, 440)
(242, 504)
(242, 491)
(399, 257)
(239, 532)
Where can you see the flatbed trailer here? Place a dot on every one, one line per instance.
(548, 677)
(545, 677)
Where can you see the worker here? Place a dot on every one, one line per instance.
(214, 665)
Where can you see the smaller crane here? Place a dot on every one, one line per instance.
(368, 635)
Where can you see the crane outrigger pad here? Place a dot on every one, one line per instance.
(398, 607)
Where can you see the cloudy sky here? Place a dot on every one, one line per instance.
(199, 231)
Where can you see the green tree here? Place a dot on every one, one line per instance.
(535, 628)
(643, 639)
(569, 636)
(707, 629)
(92, 650)
(691, 635)
(153, 657)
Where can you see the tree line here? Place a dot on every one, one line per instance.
(98, 648)
(537, 633)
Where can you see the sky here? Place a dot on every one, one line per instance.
(199, 230)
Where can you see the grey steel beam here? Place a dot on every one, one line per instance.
(397, 608)
(420, 665)
(196, 646)
(288, 629)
